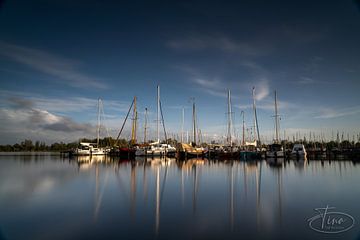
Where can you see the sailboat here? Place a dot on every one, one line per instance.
(299, 151)
(157, 148)
(250, 150)
(86, 148)
(127, 151)
(229, 151)
(276, 150)
(190, 150)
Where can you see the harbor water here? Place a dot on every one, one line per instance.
(50, 197)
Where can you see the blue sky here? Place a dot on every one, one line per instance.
(58, 57)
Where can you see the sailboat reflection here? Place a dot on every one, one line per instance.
(231, 198)
(85, 162)
(190, 163)
(279, 193)
(253, 170)
(300, 163)
(275, 162)
(152, 181)
(277, 168)
(157, 164)
(157, 202)
(191, 166)
(99, 191)
(251, 173)
(133, 189)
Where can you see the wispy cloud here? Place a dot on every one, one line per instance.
(262, 43)
(310, 81)
(262, 90)
(198, 42)
(79, 104)
(216, 86)
(212, 87)
(292, 111)
(208, 83)
(306, 81)
(59, 105)
(328, 113)
(64, 70)
(268, 105)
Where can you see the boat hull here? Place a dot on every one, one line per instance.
(249, 155)
(194, 154)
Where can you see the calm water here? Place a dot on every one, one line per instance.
(46, 197)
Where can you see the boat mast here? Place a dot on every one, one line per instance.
(276, 120)
(229, 119)
(254, 107)
(98, 124)
(200, 136)
(133, 129)
(194, 122)
(243, 127)
(255, 118)
(145, 128)
(182, 124)
(158, 114)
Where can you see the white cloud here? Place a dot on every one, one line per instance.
(64, 70)
(46, 119)
(24, 115)
(19, 124)
(262, 90)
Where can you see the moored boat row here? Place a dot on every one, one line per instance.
(247, 150)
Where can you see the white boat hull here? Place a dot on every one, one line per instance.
(155, 151)
(87, 149)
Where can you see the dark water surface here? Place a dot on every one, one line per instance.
(47, 197)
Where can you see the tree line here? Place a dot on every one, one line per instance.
(39, 146)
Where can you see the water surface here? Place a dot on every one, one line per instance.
(48, 197)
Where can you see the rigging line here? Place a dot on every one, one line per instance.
(163, 122)
(122, 127)
(104, 119)
(257, 127)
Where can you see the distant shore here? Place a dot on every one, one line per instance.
(34, 153)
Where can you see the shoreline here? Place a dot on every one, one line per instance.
(39, 153)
